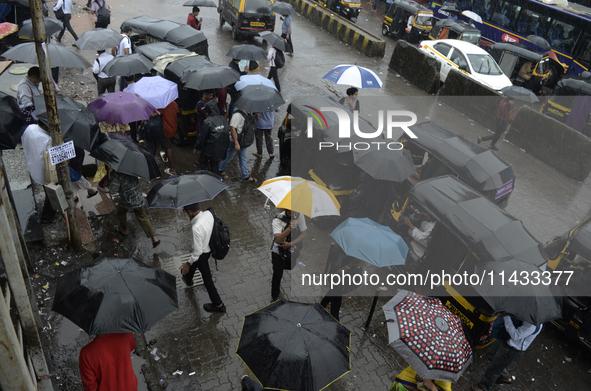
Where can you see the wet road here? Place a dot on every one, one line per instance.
(195, 341)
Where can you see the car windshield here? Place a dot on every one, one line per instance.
(424, 19)
(472, 38)
(484, 64)
(257, 6)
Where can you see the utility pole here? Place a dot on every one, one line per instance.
(63, 172)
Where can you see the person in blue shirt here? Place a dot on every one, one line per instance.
(286, 32)
(265, 127)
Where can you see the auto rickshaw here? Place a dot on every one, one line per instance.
(572, 252)
(409, 20)
(455, 29)
(470, 233)
(570, 103)
(347, 9)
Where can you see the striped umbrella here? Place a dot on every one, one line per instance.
(355, 76)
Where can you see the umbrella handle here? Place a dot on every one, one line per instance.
(266, 206)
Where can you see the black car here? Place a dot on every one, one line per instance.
(247, 17)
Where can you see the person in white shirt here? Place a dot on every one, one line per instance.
(202, 228)
(123, 49)
(423, 234)
(504, 353)
(104, 83)
(28, 88)
(273, 71)
(66, 6)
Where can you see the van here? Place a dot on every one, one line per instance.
(247, 17)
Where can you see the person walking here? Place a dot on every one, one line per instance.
(264, 128)
(505, 115)
(131, 198)
(272, 54)
(192, 19)
(286, 32)
(28, 88)
(351, 102)
(206, 96)
(94, 8)
(213, 139)
(66, 7)
(231, 89)
(284, 250)
(236, 127)
(503, 353)
(169, 128)
(105, 363)
(123, 49)
(202, 228)
(104, 83)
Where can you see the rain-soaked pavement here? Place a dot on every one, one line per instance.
(203, 345)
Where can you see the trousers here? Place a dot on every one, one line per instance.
(268, 140)
(273, 74)
(142, 218)
(202, 264)
(501, 356)
(67, 25)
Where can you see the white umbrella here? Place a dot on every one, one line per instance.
(250, 80)
(156, 90)
(472, 15)
(355, 76)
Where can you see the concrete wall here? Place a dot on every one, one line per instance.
(416, 67)
(348, 32)
(552, 142)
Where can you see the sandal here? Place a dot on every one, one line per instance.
(90, 195)
(250, 180)
(56, 220)
(224, 176)
(479, 140)
(503, 381)
(117, 230)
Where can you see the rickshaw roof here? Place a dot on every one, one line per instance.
(488, 231)
(459, 26)
(577, 85)
(478, 166)
(580, 240)
(410, 6)
(160, 28)
(157, 49)
(520, 50)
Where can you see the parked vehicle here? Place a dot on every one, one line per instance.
(247, 17)
(570, 103)
(347, 9)
(455, 29)
(467, 58)
(408, 20)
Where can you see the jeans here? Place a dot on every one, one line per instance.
(66, 22)
(501, 356)
(122, 83)
(259, 133)
(242, 159)
(203, 265)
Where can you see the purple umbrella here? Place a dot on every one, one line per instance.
(120, 108)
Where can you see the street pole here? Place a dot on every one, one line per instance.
(63, 172)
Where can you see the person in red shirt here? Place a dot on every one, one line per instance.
(505, 114)
(192, 19)
(105, 363)
(169, 127)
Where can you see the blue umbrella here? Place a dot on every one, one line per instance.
(253, 80)
(371, 242)
(355, 76)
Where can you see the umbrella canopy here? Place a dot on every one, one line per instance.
(472, 15)
(120, 108)
(7, 28)
(247, 52)
(371, 242)
(253, 80)
(293, 346)
(520, 93)
(158, 91)
(540, 42)
(177, 69)
(99, 39)
(301, 196)
(259, 98)
(116, 295)
(355, 76)
(274, 40)
(385, 164)
(22, 3)
(179, 191)
(123, 155)
(12, 123)
(77, 123)
(52, 26)
(532, 303)
(282, 8)
(209, 78)
(185, 36)
(450, 6)
(428, 336)
(200, 3)
(131, 64)
(59, 56)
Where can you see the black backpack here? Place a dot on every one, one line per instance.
(219, 243)
(153, 129)
(253, 66)
(246, 136)
(279, 59)
(103, 16)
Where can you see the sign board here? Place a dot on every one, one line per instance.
(61, 153)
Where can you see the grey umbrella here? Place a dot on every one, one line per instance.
(539, 41)
(210, 77)
(274, 40)
(157, 49)
(185, 36)
(131, 64)
(247, 52)
(520, 93)
(59, 56)
(282, 8)
(200, 3)
(259, 99)
(52, 26)
(99, 39)
(385, 164)
(22, 3)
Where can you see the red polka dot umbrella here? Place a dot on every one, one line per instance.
(428, 336)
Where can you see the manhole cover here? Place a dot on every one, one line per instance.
(14, 88)
(18, 70)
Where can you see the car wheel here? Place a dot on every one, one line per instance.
(222, 21)
(235, 35)
(385, 30)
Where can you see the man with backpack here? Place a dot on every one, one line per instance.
(213, 141)
(104, 83)
(102, 13)
(65, 7)
(202, 226)
(276, 61)
(242, 131)
(511, 343)
(123, 49)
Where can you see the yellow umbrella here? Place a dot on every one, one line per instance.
(300, 195)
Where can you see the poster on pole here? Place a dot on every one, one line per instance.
(61, 153)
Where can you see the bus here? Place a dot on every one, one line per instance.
(567, 29)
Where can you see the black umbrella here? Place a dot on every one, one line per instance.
(179, 191)
(259, 98)
(520, 93)
(59, 56)
(282, 8)
(99, 39)
(131, 64)
(116, 295)
(185, 36)
(510, 288)
(52, 26)
(200, 3)
(539, 41)
(450, 6)
(274, 40)
(385, 164)
(77, 123)
(22, 3)
(294, 346)
(186, 65)
(247, 52)
(12, 123)
(210, 77)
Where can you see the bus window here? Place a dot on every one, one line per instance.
(527, 22)
(480, 8)
(541, 27)
(489, 10)
(563, 36)
(584, 53)
(464, 4)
